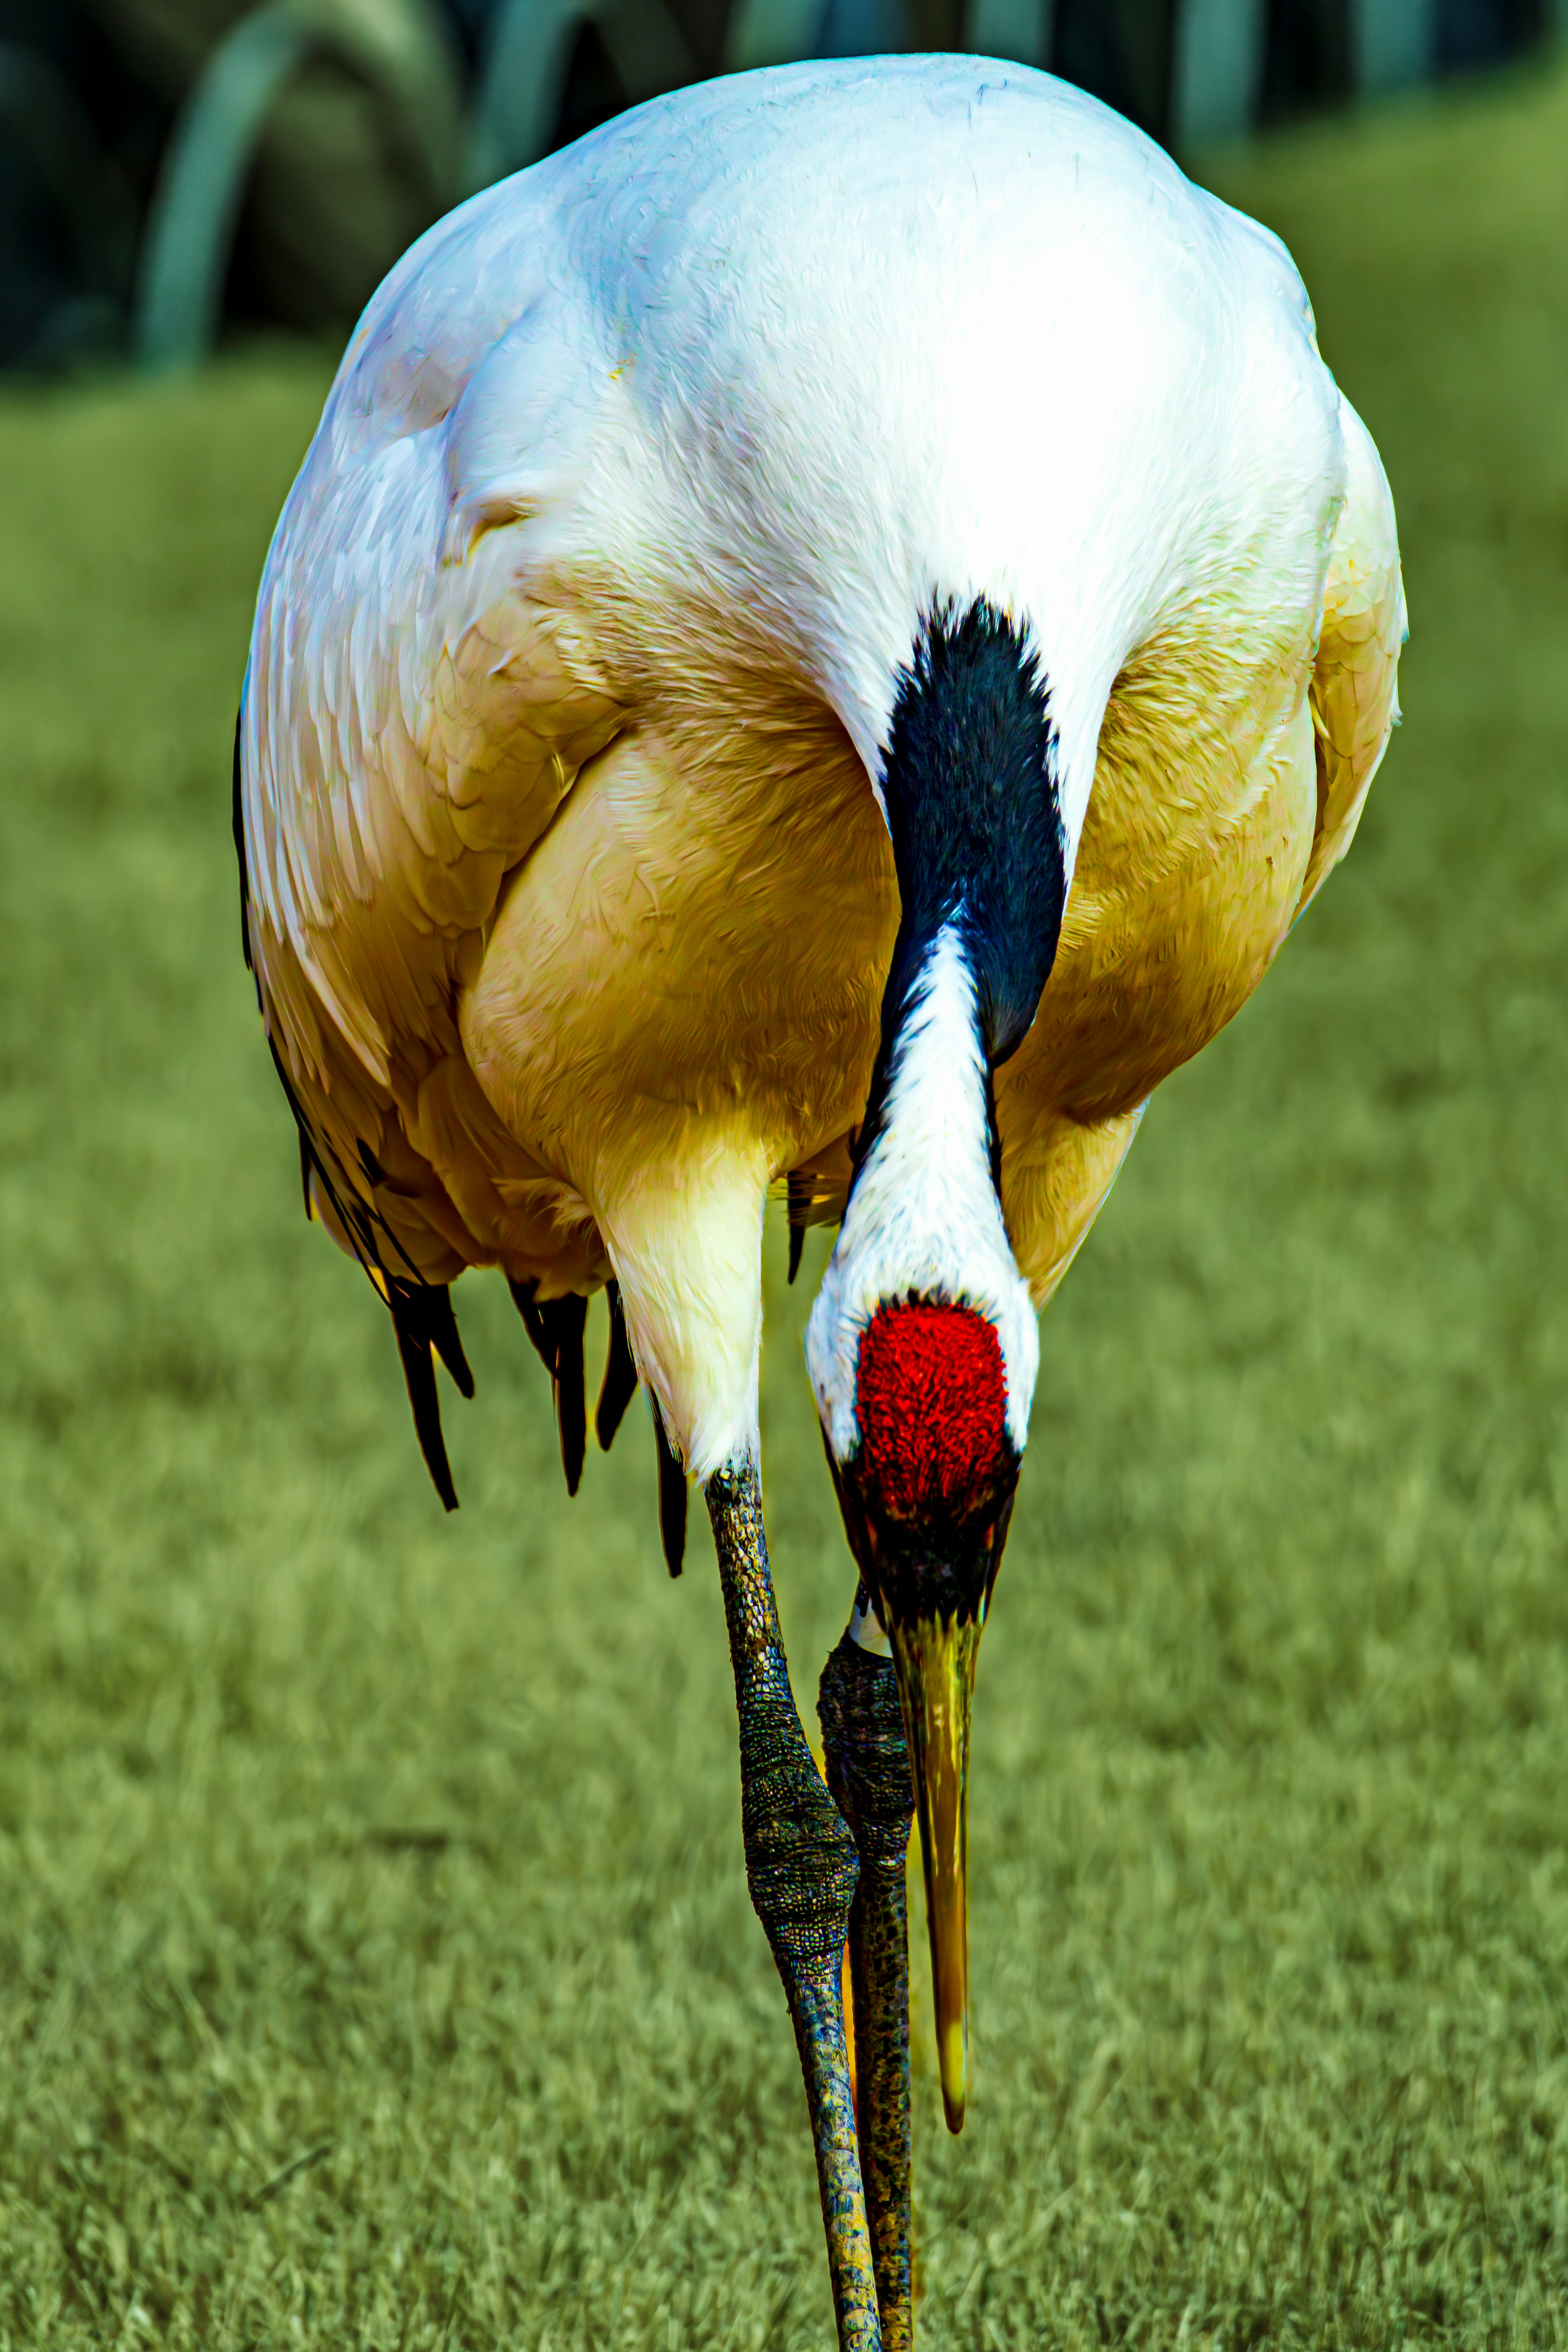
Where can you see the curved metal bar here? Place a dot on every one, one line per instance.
(195, 207)
(521, 81)
(524, 74)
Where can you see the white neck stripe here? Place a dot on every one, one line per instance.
(923, 1217)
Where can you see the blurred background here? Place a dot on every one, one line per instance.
(168, 167)
(376, 1966)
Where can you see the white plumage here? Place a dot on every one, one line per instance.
(666, 445)
(776, 586)
(925, 1215)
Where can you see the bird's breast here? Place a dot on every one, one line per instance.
(693, 960)
(1190, 864)
(693, 956)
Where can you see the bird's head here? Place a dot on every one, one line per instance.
(924, 1403)
(926, 1489)
(929, 1480)
(922, 1345)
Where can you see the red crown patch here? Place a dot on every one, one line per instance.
(931, 1400)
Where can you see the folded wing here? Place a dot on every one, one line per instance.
(416, 709)
(1353, 691)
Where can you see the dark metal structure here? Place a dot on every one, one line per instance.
(146, 145)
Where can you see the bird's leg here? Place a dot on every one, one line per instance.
(868, 1773)
(801, 1868)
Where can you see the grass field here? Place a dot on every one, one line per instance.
(376, 1962)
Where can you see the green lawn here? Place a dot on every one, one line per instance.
(375, 1961)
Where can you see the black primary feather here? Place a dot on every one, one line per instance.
(798, 1193)
(239, 843)
(620, 1375)
(556, 1327)
(442, 1324)
(570, 1397)
(969, 778)
(671, 1495)
(422, 1313)
(533, 1322)
(423, 1318)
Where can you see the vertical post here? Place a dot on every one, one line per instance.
(1020, 29)
(1394, 44)
(1218, 69)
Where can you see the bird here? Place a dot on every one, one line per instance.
(825, 636)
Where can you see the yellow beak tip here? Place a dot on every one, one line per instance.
(955, 2069)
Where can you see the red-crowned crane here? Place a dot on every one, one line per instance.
(825, 635)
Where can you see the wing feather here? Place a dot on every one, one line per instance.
(416, 709)
(1354, 689)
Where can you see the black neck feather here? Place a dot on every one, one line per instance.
(970, 782)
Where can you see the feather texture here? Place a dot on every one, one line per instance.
(561, 775)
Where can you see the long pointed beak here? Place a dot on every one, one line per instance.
(935, 1658)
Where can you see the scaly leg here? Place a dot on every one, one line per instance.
(868, 1773)
(801, 1868)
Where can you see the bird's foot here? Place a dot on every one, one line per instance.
(868, 1773)
(801, 1869)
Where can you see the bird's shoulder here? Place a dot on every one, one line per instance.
(417, 702)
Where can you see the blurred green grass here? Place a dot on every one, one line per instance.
(376, 1963)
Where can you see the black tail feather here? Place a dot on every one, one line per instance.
(571, 1395)
(421, 1311)
(556, 1327)
(620, 1375)
(422, 1318)
(443, 1338)
(672, 1496)
(533, 1322)
(799, 1197)
(239, 843)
